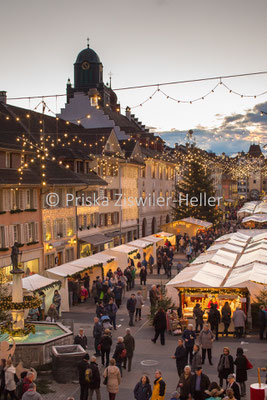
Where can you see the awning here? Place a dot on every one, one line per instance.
(113, 234)
(96, 240)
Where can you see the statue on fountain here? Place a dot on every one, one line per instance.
(15, 259)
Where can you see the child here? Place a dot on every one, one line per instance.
(83, 294)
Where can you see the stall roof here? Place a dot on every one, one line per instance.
(240, 277)
(206, 276)
(256, 246)
(224, 258)
(255, 218)
(123, 248)
(36, 282)
(96, 240)
(84, 262)
(259, 256)
(152, 239)
(139, 243)
(65, 270)
(102, 257)
(164, 234)
(196, 221)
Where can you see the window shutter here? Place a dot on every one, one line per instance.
(36, 232)
(97, 219)
(6, 200)
(22, 199)
(35, 199)
(55, 229)
(64, 228)
(6, 244)
(21, 233)
(44, 231)
(26, 233)
(11, 235)
(118, 217)
(106, 219)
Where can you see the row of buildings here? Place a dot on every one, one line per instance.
(86, 180)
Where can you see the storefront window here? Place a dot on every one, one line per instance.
(86, 250)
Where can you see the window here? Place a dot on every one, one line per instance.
(143, 194)
(70, 226)
(143, 172)
(49, 261)
(115, 218)
(31, 232)
(17, 233)
(59, 228)
(254, 181)
(102, 220)
(69, 255)
(3, 236)
(153, 172)
(109, 221)
(14, 199)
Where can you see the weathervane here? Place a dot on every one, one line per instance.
(110, 78)
(88, 42)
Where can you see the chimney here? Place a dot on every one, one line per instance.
(128, 113)
(3, 96)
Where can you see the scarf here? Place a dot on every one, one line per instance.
(226, 362)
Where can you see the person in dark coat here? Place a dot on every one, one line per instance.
(262, 321)
(189, 337)
(143, 275)
(184, 383)
(197, 358)
(109, 294)
(118, 293)
(225, 365)
(241, 370)
(153, 297)
(111, 310)
(231, 384)
(131, 304)
(100, 311)
(105, 346)
(97, 333)
(94, 384)
(180, 357)
(199, 383)
(118, 354)
(160, 325)
(198, 314)
(226, 317)
(81, 339)
(82, 367)
(214, 319)
(142, 390)
(129, 344)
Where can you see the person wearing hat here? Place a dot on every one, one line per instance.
(82, 367)
(231, 384)
(214, 391)
(199, 384)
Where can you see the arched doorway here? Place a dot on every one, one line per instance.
(154, 225)
(167, 219)
(144, 228)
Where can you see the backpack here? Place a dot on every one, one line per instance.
(123, 353)
(88, 375)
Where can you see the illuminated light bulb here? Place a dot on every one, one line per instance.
(88, 116)
(32, 160)
(78, 122)
(60, 162)
(67, 122)
(43, 174)
(17, 119)
(43, 183)
(7, 117)
(65, 134)
(43, 166)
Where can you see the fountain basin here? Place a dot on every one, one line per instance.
(36, 349)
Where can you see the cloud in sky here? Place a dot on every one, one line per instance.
(235, 132)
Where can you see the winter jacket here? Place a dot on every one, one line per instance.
(26, 384)
(100, 311)
(241, 368)
(31, 395)
(206, 339)
(82, 367)
(224, 372)
(95, 377)
(262, 318)
(57, 300)
(180, 356)
(187, 335)
(153, 297)
(111, 310)
(131, 304)
(196, 361)
(10, 383)
(239, 318)
(226, 315)
(214, 316)
(142, 392)
(143, 274)
(129, 344)
(118, 292)
(159, 389)
(160, 322)
(81, 340)
(139, 301)
(185, 381)
(118, 350)
(198, 313)
(106, 343)
(114, 378)
(204, 385)
(97, 331)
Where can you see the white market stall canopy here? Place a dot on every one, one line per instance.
(195, 221)
(227, 267)
(154, 239)
(37, 282)
(188, 225)
(260, 218)
(123, 248)
(141, 243)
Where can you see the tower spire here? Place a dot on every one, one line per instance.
(88, 42)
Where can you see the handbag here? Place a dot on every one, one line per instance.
(105, 381)
(99, 347)
(248, 364)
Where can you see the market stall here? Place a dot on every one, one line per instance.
(156, 241)
(255, 221)
(74, 270)
(166, 236)
(122, 253)
(108, 262)
(144, 247)
(188, 225)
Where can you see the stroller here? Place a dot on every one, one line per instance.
(105, 322)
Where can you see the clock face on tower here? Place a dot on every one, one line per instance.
(85, 65)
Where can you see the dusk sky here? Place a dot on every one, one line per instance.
(145, 42)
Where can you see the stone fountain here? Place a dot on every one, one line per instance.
(33, 340)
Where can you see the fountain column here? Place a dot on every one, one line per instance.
(17, 297)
